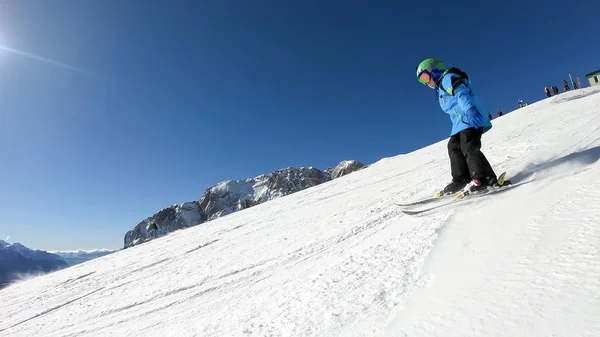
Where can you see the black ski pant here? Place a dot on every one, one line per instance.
(467, 162)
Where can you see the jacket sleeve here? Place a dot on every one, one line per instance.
(464, 99)
(456, 87)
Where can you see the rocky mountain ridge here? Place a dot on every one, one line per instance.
(233, 195)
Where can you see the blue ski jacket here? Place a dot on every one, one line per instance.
(456, 97)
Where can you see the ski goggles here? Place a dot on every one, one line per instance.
(424, 77)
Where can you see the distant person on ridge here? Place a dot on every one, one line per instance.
(555, 89)
(499, 113)
(151, 228)
(566, 85)
(547, 91)
(154, 230)
(469, 167)
(490, 115)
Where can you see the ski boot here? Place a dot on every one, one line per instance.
(453, 187)
(478, 186)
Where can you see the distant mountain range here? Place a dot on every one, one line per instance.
(233, 195)
(80, 256)
(18, 261)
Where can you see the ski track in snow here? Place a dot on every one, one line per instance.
(340, 259)
(543, 261)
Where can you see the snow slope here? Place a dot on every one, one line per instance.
(340, 259)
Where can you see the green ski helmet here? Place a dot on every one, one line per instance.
(430, 68)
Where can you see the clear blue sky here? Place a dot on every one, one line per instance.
(112, 109)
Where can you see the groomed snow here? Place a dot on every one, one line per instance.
(340, 259)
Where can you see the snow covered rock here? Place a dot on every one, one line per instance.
(171, 218)
(233, 195)
(227, 197)
(345, 167)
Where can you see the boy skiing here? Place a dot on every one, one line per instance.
(470, 169)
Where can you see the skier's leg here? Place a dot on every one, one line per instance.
(458, 167)
(478, 165)
(458, 162)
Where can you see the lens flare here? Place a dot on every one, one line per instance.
(42, 59)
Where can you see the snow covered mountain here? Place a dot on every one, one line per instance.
(79, 256)
(234, 195)
(341, 259)
(17, 261)
(345, 167)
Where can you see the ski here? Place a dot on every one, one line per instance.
(453, 201)
(439, 197)
(470, 196)
(425, 201)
